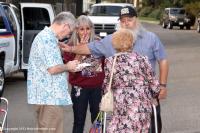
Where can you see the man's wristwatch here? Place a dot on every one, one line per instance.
(163, 85)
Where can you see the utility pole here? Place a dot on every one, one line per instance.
(63, 2)
(135, 3)
(79, 7)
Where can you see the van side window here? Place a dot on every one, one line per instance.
(2, 25)
(33, 21)
(17, 13)
(11, 19)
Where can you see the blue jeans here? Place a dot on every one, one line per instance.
(81, 98)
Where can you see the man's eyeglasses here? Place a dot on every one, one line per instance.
(69, 27)
(70, 31)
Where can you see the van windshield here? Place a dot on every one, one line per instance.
(105, 10)
(177, 11)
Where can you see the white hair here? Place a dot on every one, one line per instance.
(83, 20)
(65, 17)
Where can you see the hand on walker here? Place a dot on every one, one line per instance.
(163, 93)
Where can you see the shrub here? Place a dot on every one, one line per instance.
(193, 8)
(166, 3)
(145, 11)
(155, 14)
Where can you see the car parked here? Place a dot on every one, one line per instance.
(176, 17)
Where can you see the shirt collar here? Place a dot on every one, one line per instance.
(50, 31)
(140, 33)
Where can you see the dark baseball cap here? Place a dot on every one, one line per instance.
(127, 11)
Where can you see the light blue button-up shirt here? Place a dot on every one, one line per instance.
(42, 87)
(147, 44)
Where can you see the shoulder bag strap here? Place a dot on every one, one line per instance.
(112, 71)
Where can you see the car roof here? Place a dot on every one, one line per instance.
(4, 3)
(8, 4)
(112, 4)
(27, 4)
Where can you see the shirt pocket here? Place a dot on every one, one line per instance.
(149, 53)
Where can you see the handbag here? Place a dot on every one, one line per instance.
(97, 124)
(107, 99)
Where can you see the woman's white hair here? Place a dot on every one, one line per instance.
(81, 21)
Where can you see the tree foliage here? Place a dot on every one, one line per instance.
(154, 8)
(193, 8)
(165, 3)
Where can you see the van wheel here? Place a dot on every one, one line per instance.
(198, 28)
(25, 74)
(188, 27)
(163, 25)
(2, 80)
(170, 26)
(181, 27)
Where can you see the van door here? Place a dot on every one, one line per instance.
(12, 35)
(35, 16)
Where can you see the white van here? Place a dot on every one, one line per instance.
(105, 17)
(18, 28)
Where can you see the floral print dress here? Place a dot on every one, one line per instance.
(96, 66)
(134, 86)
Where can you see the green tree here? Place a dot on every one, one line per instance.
(181, 3)
(193, 8)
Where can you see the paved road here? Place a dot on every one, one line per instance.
(181, 110)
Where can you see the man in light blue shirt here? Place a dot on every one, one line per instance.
(147, 43)
(47, 85)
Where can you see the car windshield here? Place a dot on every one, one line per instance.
(105, 10)
(177, 11)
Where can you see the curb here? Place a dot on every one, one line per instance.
(149, 21)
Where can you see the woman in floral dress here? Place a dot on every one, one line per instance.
(134, 86)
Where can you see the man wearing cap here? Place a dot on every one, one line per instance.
(147, 43)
